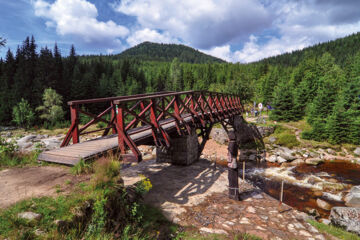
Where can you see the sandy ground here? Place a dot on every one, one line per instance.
(17, 184)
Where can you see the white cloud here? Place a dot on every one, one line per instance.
(222, 52)
(203, 23)
(78, 18)
(147, 34)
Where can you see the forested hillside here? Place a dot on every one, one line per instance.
(148, 51)
(321, 84)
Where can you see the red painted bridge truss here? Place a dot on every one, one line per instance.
(154, 116)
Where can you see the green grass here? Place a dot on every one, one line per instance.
(285, 137)
(335, 231)
(81, 167)
(18, 159)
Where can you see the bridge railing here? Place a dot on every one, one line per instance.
(156, 112)
(78, 108)
(178, 110)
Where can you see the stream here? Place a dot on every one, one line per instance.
(304, 184)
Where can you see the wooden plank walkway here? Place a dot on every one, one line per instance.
(71, 155)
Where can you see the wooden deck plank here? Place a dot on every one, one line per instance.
(72, 154)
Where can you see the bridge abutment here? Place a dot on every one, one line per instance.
(184, 150)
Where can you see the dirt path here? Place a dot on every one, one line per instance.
(21, 183)
(196, 195)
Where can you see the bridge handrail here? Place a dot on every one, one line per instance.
(151, 108)
(109, 99)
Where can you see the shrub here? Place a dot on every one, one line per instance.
(23, 115)
(81, 167)
(51, 110)
(106, 171)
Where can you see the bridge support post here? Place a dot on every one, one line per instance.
(183, 150)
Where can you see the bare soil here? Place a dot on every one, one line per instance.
(17, 184)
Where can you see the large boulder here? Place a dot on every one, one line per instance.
(27, 138)
(286, 153)
(352, 199)
(266, 131)
(219, 135)
(346, 217)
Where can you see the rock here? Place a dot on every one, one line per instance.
(8, 134)
(51, 143)
(252, 157)
(265, 131)
(352, 199)
(39, 232)
(331, 151)
(281, 160)
(24, 145)
(332, 197)
(323, 204)
(314, 154)
(154, 152)
(29, 216)
(357, 151)
(314, 161)
(346, 217)
(213, 230)
(219, 135)
(325, 221)
(297, 162)
(272, 158)
(313, 212)
(272, 139)
(27, 138)
(286, 154)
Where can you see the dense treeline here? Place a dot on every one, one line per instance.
(148, 51)
(312, 84)
(27, 73)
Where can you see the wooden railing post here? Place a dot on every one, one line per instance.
(75, 121)
(113, 116)
(120, 128)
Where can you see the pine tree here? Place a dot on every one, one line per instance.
(283, 103)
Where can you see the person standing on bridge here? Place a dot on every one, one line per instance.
(233, 174)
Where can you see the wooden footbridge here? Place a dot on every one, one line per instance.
(144, 119)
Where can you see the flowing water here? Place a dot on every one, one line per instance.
(303, 184)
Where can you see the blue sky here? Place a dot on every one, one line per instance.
(234, 30)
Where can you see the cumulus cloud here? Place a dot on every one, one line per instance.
(222, 52)
(203, 23)
(147, 34)
(78, 18)
(298, 25)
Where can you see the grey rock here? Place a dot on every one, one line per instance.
(281, 159)
(252, 157)
(313, 212)
(8, 134)
(332, 197)
(272, 139)
(304, 217)
(265, 131)
(314, 161)
(297, 162)
(325, 221)
(27, 138)
(323, 204)
(39, 232)
(314, 155)
(352, 199)
(24, 145)
(357, 151)
(29, 216)
(331, 151)
(272, 158)
(219, 135)
(346, 217)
